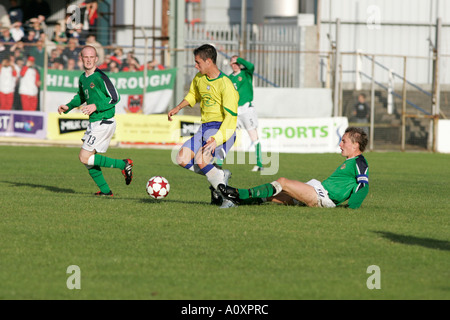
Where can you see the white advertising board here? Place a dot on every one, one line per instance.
(298, 135)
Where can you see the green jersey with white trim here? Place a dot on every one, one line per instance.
(96, 89)
(349, 182)
(243, 81)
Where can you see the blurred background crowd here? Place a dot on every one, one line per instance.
(26, 47)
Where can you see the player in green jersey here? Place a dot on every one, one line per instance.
(218, 104)
(242, 78)
(97, 97)
(350, 181)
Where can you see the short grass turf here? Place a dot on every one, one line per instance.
(183, 248)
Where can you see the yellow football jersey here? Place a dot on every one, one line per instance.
(218, 100)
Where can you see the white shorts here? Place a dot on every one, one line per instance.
(247, 117)
(323, 201)
(98, 135)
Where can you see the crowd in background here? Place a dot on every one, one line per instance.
(25, 39)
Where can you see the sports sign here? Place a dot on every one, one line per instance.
(298, 135)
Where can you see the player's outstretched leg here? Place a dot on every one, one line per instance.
(128, 170)
(246, 196)
(229, 193)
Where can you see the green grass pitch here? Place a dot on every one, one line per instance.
(133, 247)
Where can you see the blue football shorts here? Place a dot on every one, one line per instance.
(205, 131)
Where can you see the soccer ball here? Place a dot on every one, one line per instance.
(158, 187)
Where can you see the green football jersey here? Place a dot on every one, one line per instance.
(349, 182)
(96, 89)
(243, 81)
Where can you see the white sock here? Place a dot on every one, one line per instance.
(215, 177)
(277, 186)
(91, 160)
(196, 169)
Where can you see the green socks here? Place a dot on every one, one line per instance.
(97, 175)
(96, 172)
(262, 191)
(106, 162)
(258, 155)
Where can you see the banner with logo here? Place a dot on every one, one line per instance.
(25, 124)
(62, 85)
(130, 128)
(155, 128)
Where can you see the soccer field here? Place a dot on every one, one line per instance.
(133, 247)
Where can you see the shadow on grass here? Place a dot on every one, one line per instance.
(150, 200)
(40, 186)
(416, 241)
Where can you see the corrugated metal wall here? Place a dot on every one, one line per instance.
(400, 27)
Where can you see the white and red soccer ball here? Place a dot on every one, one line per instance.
(158, 187)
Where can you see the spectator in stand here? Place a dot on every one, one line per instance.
(8, 77)
(5, 42)
(59, 36)
(152, 65)
(48, 44)
(131, 63)
(89, 10)
(30, 37)
(91, 40)
(4, 17)
(18, 50)
(17, 32)
(38, 25)
(118, 56)
(71, 51)
(362, 112)
(104, 65)
(55, 59)
(113, 67)
(57, 65)
(71, 65)
(18, 65)
(15, 12)
(131, 68)
(78, 33)
(6, 35)
(38, 52)
(29, 85)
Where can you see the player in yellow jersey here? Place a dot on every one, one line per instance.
(218, 104)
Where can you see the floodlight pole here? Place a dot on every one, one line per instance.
(243, 40)
(436, 83)
(372, 104)
(337, 59)
(144, 90)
